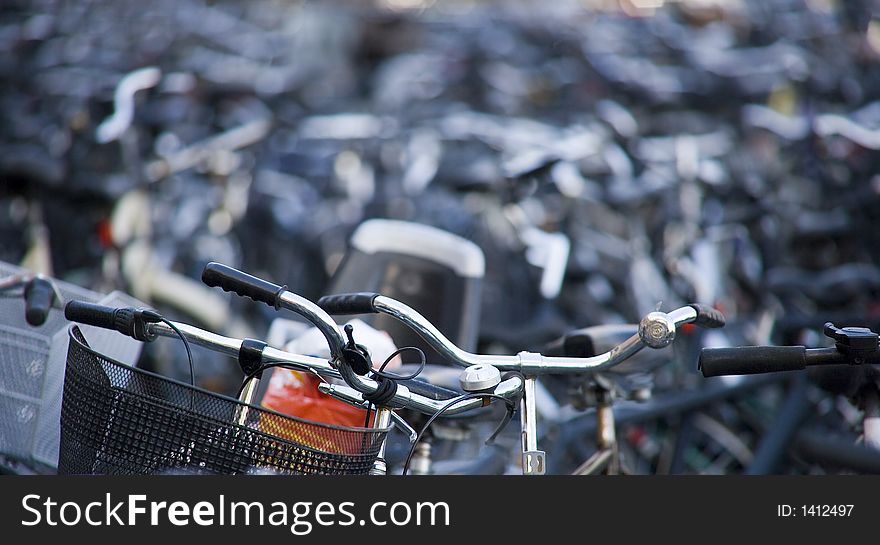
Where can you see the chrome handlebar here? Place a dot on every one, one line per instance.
(656, 330)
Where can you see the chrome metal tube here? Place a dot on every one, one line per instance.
(247, 396)
(533, 460)
(316, 315)
(200, 337)
(528, 415)
(432, 335)
(543, 365)
(683, 315)
(382, 421)
(231, 347)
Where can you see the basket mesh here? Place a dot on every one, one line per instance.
(117, 419)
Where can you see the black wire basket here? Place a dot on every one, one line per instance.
(120, 420)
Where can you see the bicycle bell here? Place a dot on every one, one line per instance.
(478, 378)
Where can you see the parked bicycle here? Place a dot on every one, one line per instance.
(113, 421)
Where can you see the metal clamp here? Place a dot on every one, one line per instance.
(533, 462)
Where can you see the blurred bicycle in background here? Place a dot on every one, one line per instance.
(603, 159)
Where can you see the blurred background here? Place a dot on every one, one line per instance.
(608, 158)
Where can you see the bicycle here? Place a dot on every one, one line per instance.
(481, 382)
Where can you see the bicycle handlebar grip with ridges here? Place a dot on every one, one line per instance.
(218, 275)
(91, 314)
(348, 303)
(123, 320)
(126, 320)
(707, 316)
(751, 360)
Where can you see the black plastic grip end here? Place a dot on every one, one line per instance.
(348, 303)
(707, 316)
(218, 275)
(750, 360)
(90, 314)
(39, 295)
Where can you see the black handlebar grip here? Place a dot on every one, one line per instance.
(707, 316)
(218, 275)
(39, 295)
(91, 314)
(750, 360)
(126, 320)
(348, 303)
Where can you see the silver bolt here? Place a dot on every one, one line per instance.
(657, 330)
